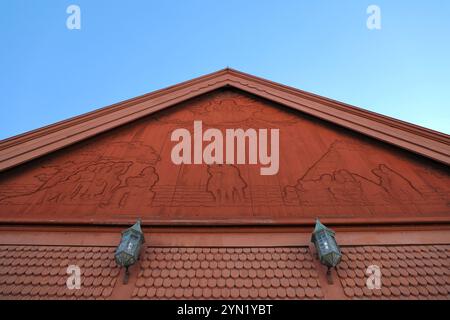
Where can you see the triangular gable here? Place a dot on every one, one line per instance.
(325, 171)
(31, 145)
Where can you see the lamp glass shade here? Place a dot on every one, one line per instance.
(129, 248)
(326, 246)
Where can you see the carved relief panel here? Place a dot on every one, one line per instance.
(324, 171)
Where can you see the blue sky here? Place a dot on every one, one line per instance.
(127, 48)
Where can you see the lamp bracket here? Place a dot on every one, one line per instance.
(329, 276)
(126, 276)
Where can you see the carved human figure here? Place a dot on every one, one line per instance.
(62, 192)
(290, 195)
(226, 184)
(85, 178)
(137, 190)
(49, 176)
(105, 179)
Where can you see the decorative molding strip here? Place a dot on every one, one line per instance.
(230, 239)
(279, 222)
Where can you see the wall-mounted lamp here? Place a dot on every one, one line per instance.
(328, 250)
(129, 248)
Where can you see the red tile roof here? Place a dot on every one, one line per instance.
(40, 272)
(408, 272)
(228, 273)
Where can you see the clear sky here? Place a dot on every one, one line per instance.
(127, 48)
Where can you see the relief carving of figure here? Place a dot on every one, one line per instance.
(75, 183)
(62, 193)
(226, 184)
(137, 190)
(84, 178)
(105, 178)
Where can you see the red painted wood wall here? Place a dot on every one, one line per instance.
(325, 171)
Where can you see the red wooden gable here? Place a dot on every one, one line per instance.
(326, 171)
